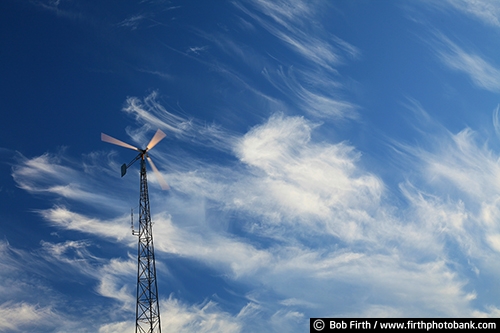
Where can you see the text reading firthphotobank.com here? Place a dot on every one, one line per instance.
(420, 324)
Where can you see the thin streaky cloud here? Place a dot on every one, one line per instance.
(29, 303)
(316, 101)
(121, 326)
(60, 8)
(197, 49)
(496, 121)
(110, 274)
(236, 49)
(482, 72)
(202, 318)
(487, 11)
(162, 75)
(14, 316)
(459, 194)
(187, 55)
(317, 50)
(321, 97)
(113, 278)
(273, 103)
(152, 114)
(170, 122)
(288, 22)
(285, 11)
(62, 218)
(47, 174)
(132, 22)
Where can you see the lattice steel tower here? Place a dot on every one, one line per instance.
(147, 307)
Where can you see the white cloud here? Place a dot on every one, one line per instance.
(16, 317)
(298, 178)
(177, 316)
(57, 175)
(161, 74)
(314, 100)
(202, 318)
(65, 219)
(492, 312)
(75, 257)
(111, 282)
(487, 11)
(312, 84)
(123, 326)
(494, 241)
(460, 160)
(459, 195)
(132, 22)
(27, 301)
(169, 121)
(482, 72)
(496, 121)
(152, 114)
(197, 49)
(290, 21)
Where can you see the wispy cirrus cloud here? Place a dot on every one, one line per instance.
(180, 317)
(160, 74)
(200, 318)
(63, 218)
(482, 72)
(306, 81)
(33, 305)
(132, 22)
(76, 258)
(319, 101)
(289, 21)
(64, 9)
(465, 171)
(487, 11)
(27, 301)
(17, 316)
(197, 49)
(57, 175)
(152, 114)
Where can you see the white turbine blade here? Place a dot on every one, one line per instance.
(109, 139)
(158, 175)
(159, 135)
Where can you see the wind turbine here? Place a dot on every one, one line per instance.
(147, 309)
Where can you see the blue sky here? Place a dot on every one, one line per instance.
(325, 158)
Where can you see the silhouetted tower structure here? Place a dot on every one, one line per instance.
(147, 306)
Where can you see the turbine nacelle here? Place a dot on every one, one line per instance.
(143, 154)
